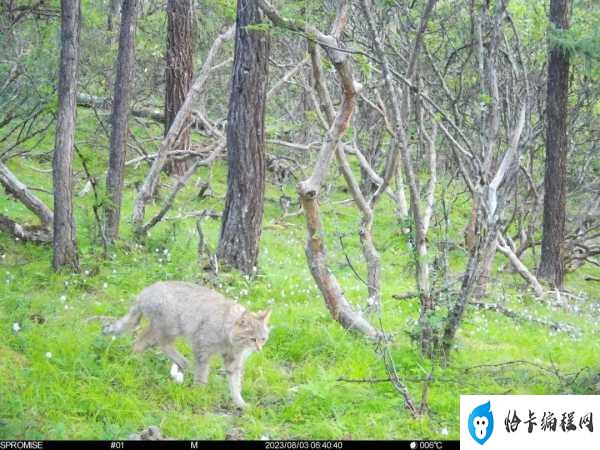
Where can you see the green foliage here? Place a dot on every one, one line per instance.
(259, 27)
(93, 387)
(485, 99)
(576, 43)
(364, 65)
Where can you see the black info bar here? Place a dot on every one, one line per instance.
(263, 445)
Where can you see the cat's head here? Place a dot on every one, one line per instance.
(251, 330)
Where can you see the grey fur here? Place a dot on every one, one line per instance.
(211, 323)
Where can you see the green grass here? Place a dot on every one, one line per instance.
(93, 387)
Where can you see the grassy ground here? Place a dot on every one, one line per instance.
(61, 379)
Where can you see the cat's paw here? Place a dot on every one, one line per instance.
(176, 374)
(240, 403)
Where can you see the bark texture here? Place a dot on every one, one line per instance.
(551, 263)
(242, 216)
(120, 109)
(65, 237)
(179, 73)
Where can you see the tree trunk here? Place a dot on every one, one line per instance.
(242, 216)
(553, 235)
(65, 240)
(179, 73)
(120, 108)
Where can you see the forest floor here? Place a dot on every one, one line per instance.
(60, 378)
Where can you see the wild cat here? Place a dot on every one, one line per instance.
(211, 323)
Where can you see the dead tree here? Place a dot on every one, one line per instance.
(310, 188)
(400, 147)
(178, 125)
(489, 181)
(119, 119)
(64, 236)
(244, 204)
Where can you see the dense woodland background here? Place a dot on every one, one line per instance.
(412, 186)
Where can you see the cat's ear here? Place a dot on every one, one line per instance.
(245, 320)
(264, 315)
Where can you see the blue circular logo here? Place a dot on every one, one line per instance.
(481, 423)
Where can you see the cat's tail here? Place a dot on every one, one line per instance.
(127, 322)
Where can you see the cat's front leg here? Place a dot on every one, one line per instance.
(202, 368)
(234, 365)
(175, 356)
(235, 387)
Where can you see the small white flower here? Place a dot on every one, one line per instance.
(16, 327)
(48, 355)
(63, 298)
(444, 431)
(87, 273)
(176, 374)
(104, 285)
(114, 337)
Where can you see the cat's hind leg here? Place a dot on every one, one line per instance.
(145, 339)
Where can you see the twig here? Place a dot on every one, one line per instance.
(96, 204)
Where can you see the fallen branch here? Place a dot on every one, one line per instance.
(554, 326)
(519, 266)
(25, 232)
(181, 181)
(508, 363)
(176, 153)
(91, 101)
(41, 233)
(564, 379)
(18, 190)
(405, 296)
